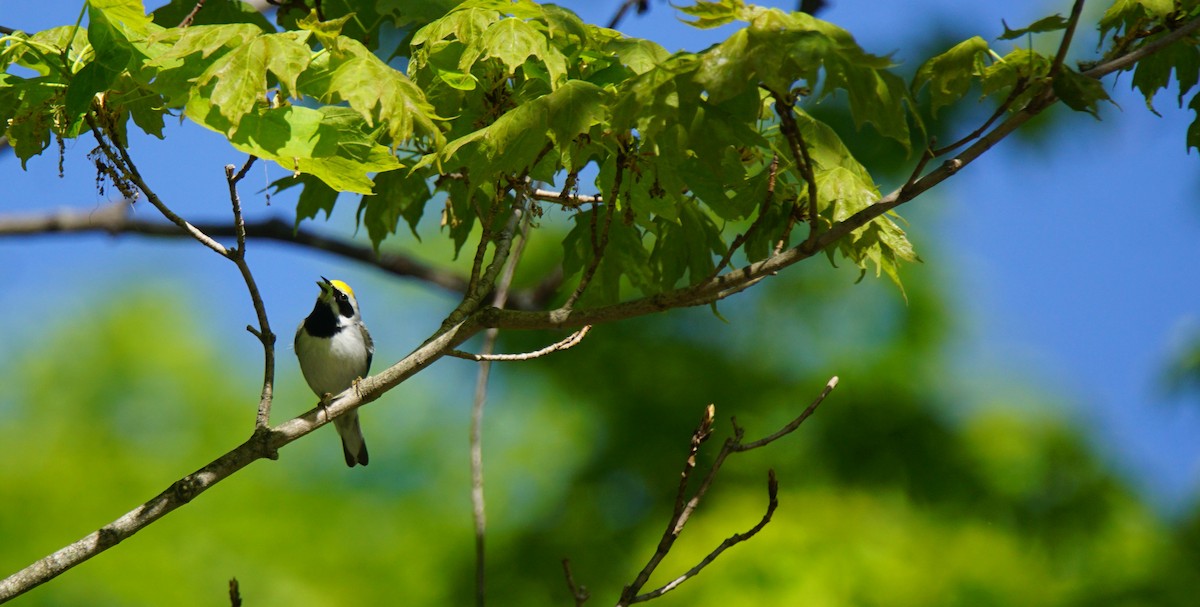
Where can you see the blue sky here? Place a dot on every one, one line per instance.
(1074, 257)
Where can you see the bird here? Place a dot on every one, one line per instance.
(335, 351)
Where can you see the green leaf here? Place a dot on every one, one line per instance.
(513, 141)
(949, 75)
(1052, 23)
(1079, 92)
(315, 197)
(687, 247)
(1153, 72)
(398, 195)
(713, 14)
(380, 94)
(113, 53)
(327, 32)
(129, 13)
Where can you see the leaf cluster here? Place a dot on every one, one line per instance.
(466, 105)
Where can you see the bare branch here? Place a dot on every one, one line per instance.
(795, 423)
(235, 595)
(191, 16)
(262, 419)
(566, 200)
(579, 593)
(1065, 44)
(1133, 57)
(642, 6)
(682, 510)
(571, 341)
(737, 538)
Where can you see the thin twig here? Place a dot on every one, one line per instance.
(737, 538)
(499, 299)
(117, 155)
(1142, 52)
(262, 419)
(642, 6)
(679, 512)
(682, 510)
(579, 593)
(191, 16)
(235, 595)
(804, 162)
(1065, 44)
(571, 341)
(795, 423)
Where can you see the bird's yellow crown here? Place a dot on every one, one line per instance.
(343, 287)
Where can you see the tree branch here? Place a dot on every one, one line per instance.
(804, 162)
(263, 333)
(571, 341)
(682, 510)
(499, 299)
(114, 219)
(256, 447)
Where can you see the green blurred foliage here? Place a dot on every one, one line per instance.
(889, 495)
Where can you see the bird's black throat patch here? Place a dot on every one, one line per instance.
(322, 322)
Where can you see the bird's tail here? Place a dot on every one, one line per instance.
(354, 447)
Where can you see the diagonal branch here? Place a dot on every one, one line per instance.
(256, 447)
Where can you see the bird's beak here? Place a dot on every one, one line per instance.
(325, 284)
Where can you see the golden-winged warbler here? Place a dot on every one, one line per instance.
(335, 351)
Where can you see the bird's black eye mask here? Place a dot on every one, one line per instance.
(343, 303)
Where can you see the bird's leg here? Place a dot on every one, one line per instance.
(324, 404)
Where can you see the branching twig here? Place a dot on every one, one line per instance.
(119, 157)
(683, 509)
(804, 163)
(571, 341)
(263, 333)
(795, 423)
(737, 538)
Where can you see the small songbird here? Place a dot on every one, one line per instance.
(335, 351)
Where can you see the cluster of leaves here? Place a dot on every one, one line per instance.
(686, 148)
